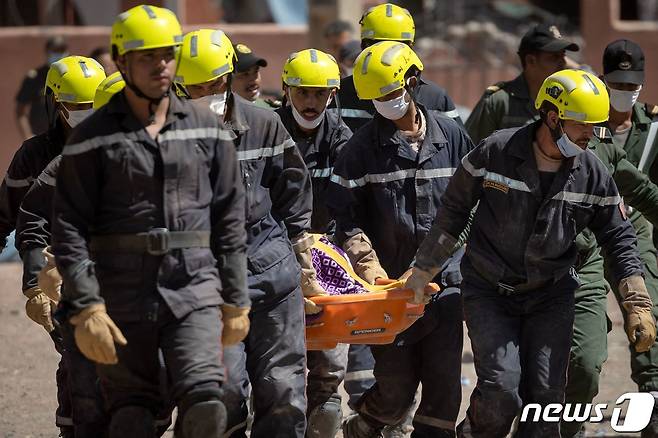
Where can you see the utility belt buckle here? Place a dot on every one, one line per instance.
(506, 289)
(157, 241)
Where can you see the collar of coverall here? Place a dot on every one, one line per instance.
(119, 105)
(390, 135)
(235, 118)
(520, 144)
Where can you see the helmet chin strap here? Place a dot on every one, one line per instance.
(153, 102)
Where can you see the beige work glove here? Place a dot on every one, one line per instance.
(418, 281)
(95, 334)
(49, 279)
(236, 324)
(302, 246)
(364, 259)
(310, 308)
(38, 308)
(640, 325)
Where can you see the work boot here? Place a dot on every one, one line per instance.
(204, 420)
(356, 427)
(324, 420)
(397, 431)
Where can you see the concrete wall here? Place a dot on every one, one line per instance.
(23, 48)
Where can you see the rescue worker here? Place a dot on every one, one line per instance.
(388, 22)
(384, 22)
(31, 117)
(509, 104)
(589, 341)
(633, 126)
(33, 233)
(64, 113)
(310, 80)
(537, 188)
(246, 79)
(148, 217)
(386, 189)
(69, 89)
(279, 201)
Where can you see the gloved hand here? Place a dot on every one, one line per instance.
(236, 324)
(364, 258)
(95, 334)
(417, 281)
(310, 286)
(403, 277)
(49, 279)
(38, 308)
(640, 325)
(310, 308)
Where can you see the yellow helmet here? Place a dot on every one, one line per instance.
(145, 27)
(387, 22)
(380, 69)
(577, 94)
(311, 68)
(74, 79)
(110, 86)
(206, 55)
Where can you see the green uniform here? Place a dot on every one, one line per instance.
(644, 366)
(508, 104)
(504, 105)
(591, 325)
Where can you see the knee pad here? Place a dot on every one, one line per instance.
(324, 420)
(132, 421)
(206, 419)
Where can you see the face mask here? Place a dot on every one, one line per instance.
(393, 109)
(216, 102)
(567, 148)
(55, 56)
(75, 117)
(301, 121)
(623, 101)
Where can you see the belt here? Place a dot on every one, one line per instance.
(157, 241)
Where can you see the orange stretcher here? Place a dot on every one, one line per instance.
(376, 317)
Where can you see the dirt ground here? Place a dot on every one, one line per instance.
(28, 362)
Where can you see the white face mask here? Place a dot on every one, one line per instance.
(623, 101)
(216, 102)
(75, 117)
(567, 148)
(393, 109)
(301, 121)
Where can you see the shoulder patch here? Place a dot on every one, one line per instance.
(652, 110)
(491, 89)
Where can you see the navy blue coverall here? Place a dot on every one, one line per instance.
(279, 202)
(326, 368)
(388, 191)
(356, 113)
(115, 180)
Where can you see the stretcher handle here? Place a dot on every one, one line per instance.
(394, 294)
